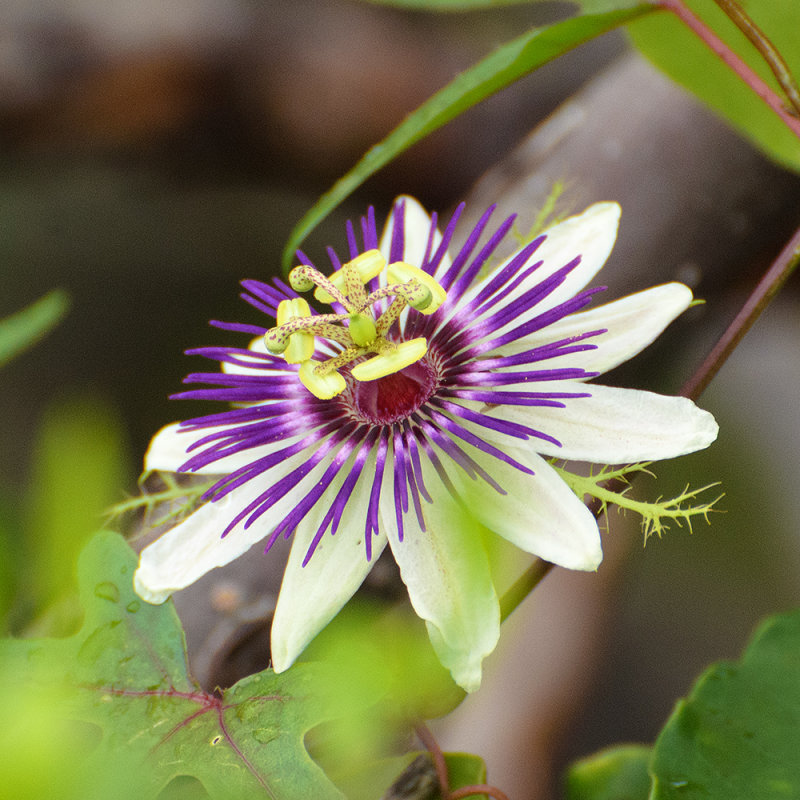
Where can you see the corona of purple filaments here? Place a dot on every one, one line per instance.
(428, 410)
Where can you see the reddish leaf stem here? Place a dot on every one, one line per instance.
(768, 51)
(479, 788)
(432, 746)
(769, 285)
(717, 46)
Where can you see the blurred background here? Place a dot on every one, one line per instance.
(153, 154)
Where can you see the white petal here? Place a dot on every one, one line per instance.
(617, 426)
(446, 571)
(416, 231)
(195, 546)
(590, 235)
(631, 324)
(257, 345)
(168, 450)
(539, 514)
(311, 596)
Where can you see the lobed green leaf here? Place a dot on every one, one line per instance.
(120, 688)
(737, 735)
(617, 773)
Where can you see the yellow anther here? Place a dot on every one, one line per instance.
(369, 266)
(299, 346)
(362, 329)
(387, 363)
(323, 386)
(400, 272)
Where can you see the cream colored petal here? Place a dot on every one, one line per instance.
(168, 450)
(590, 235)
(539, 513)
(446, 571)
(417, 229)
(616, 426)
(257, 345)
(195, 546)
(631, 324)
(311, 596)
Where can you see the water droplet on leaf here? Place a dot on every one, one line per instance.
(107, 591)
(133, 606)
(265, 735)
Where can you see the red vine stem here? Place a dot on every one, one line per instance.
(768, 51)
(770, 284)
(481, 788)
(767, 288)
(717, 46)
(432, 746)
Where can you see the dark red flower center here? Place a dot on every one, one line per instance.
(395, 396)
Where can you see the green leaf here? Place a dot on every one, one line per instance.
(121, 690)
(737, 735)
(26, 327)
(465, 769)
(511, 61)
(617, 773)
(672, 47)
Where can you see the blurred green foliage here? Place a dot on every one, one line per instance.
(23, 329)
(618, 773)
(79, 467)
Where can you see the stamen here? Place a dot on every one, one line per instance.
(297, 326)
(367, 265)
(345, 357)
(297, 323)
(400, 272)
(405, 354)
(322, 386)
(296, 346)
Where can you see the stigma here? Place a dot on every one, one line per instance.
(361, 334)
